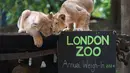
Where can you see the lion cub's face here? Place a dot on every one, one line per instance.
(58, 23)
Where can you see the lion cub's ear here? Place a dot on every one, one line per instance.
(62, 17)
(50, 16)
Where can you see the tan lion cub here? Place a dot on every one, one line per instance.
(34, 22)
(75, 12)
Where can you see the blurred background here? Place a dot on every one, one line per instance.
(104, 16)
(107, 15)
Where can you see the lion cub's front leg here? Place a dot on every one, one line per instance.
(78, 29)
(38, 41)
(37, 38)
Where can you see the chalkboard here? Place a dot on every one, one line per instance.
(87, 52)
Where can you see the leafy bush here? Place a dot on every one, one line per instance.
(102, 8)
(14, 8)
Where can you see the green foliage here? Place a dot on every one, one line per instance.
(14, 8)
(102, 8)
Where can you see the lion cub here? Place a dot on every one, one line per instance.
(34, 22)
(73, 12)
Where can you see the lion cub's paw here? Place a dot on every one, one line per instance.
(66, 29)
(90, 30)
(57, 33)
(38, 41)
(78, 29)
(87, 30)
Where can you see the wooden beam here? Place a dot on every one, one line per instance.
(26, 55)
(16, 42)
(116, 14)
(125, 18)
(125, 29)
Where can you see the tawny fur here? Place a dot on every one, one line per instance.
(33, 22)
(74, 12)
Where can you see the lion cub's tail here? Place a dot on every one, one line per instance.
(23, 16)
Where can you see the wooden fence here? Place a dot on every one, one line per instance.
(14, 46)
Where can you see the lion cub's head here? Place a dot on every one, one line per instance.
(58, 23)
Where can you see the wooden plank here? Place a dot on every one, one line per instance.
(20, 42)
(116, 14)
(125, 29)
(125, 17)
(25, 55)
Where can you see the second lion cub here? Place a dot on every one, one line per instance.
(73, 12)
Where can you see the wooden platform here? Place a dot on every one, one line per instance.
(21, 42)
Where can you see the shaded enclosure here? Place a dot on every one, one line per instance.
(107, 15)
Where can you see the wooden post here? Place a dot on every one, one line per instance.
(125, 25)
(116, 13)
(125, 17)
